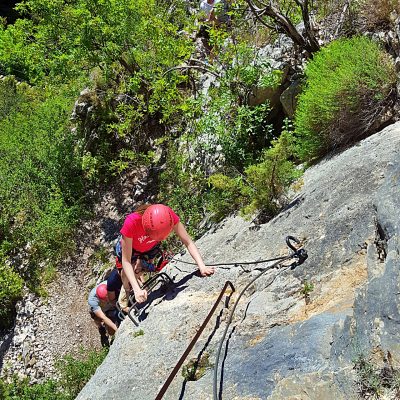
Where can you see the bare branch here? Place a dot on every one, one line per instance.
(256, 12)
(309, 29)
(307, 42)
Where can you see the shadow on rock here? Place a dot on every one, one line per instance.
(165, 292)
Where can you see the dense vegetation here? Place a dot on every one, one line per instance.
(348, 84)
(217, 153)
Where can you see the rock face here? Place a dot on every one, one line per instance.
(289, 98)
(279, 345)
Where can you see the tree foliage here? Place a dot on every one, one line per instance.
(262, 186)
(41, 184)
(125, 48)
(41, 189)
(10, 291)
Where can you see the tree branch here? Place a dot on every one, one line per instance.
(314, 45)
(256, 11)
(307, 42)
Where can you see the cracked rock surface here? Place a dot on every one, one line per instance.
(280, 346)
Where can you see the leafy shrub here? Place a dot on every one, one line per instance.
(41, 190)
(76, 372)
(132, 43)
(248, 135)
(21, 389)
(271, 177)
(183, 189)
(228, 194)
(375, 380)
(41, 181)
(10, 291)
(18, 56)
(11, 95)
(196, 368)
(127, 159)
(262, 186)
(348, 88)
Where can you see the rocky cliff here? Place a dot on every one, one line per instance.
(302, 334)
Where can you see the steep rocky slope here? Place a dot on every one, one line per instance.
(48, 328)
(281, 346)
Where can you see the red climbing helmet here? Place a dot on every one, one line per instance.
(101, 291)
(157, 221)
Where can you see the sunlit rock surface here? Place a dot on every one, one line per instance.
(282, 344)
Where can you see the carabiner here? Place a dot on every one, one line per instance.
(293, 239)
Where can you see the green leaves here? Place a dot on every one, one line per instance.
(41, 184)
(74, 373)
(348, 83)
(64, 38)
(11, 286)
(262, 186)
(21, 389)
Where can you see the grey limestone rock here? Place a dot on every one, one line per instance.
(279, 346)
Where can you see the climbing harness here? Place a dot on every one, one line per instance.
(298, 256)
(156, 278)
(161, 278)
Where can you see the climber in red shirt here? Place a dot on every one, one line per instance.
(142, 232)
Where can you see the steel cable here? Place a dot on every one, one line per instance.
(215, 381)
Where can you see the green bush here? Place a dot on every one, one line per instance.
(262, 186)
(41, 186)
(11, 95)
(376, 378)
(348, 87)
(228, 195)
(11, 286)
(75, 373)
(270, 178)
(126, 46)
(183, 189)
(20, 389)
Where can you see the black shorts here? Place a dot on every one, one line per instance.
(112, 314)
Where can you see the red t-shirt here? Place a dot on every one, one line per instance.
(133, 228)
